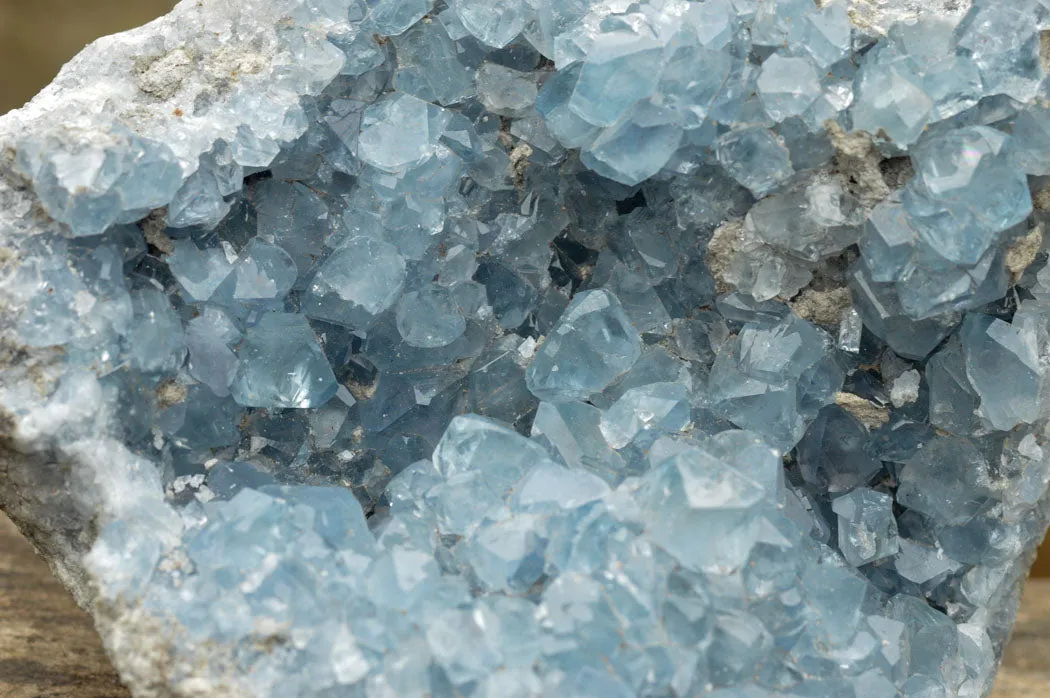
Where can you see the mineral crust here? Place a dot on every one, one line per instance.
(502, 348)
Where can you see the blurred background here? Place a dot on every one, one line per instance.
(47, 645)
(38, 36)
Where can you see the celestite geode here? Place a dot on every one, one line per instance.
(501, 348)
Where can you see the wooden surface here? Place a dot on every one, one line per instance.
(48, 646)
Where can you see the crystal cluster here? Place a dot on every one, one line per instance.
(577, 348)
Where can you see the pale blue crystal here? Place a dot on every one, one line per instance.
(593, 343)
(833, 455)
(430, 317)
(262, 274)
(507, 555)
(867, 527)
(552, 102)
(890, 103)
(686, 92)
(787, 86)
(156, 342)
(505, 91)
(751, 455)
(209, 339)
(391, 17)
(491, 24)
(1002, 41)
(880, 308)
(630, 153)
(282, 365)
(642, 414)
(756, 158)
(295, 218)
(361, 279)
(477, 444)
(763, 379)
(953, 400)
(91, 186)
(420, 51)
(572, 430)
(889, 237)
(202, 420)
(694, 491)
(948, 479)
(1003, 367)
(199, 272)
(618, 72)
(954, 182)
(400, 132)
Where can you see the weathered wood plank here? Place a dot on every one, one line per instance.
(48, 646)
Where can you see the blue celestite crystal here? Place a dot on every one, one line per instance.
(593, 343)
(510, 348)
(156, 342)
(282, 365)
(773, 378)
(787, 86)
(1003, 368)
(867, 528)
(756, 158)
(362, 278)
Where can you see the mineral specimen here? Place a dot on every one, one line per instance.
(568, 348)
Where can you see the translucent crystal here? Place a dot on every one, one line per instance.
(642, 414)
(695, 491)
(282, 365)
(430, 317)
(262, 274)
(209, 339)
(391, 17)
(788, 86)
(1003, 367)
(361, 279)
(947, 479)
(521, 348)
(399, 132)
(505, 91)
(756, 158)
(889, 101)
(573, 431)
(833, 454)
(617, 73)
(953, 180)
(199, 272)
(772, 379)
(491, 24)
(592, 344)
(867, 528)
(616, 155)
(421, 49)
(156, 342)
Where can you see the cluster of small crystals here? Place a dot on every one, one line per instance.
(454, 399)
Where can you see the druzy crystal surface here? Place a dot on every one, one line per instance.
(498, 348)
